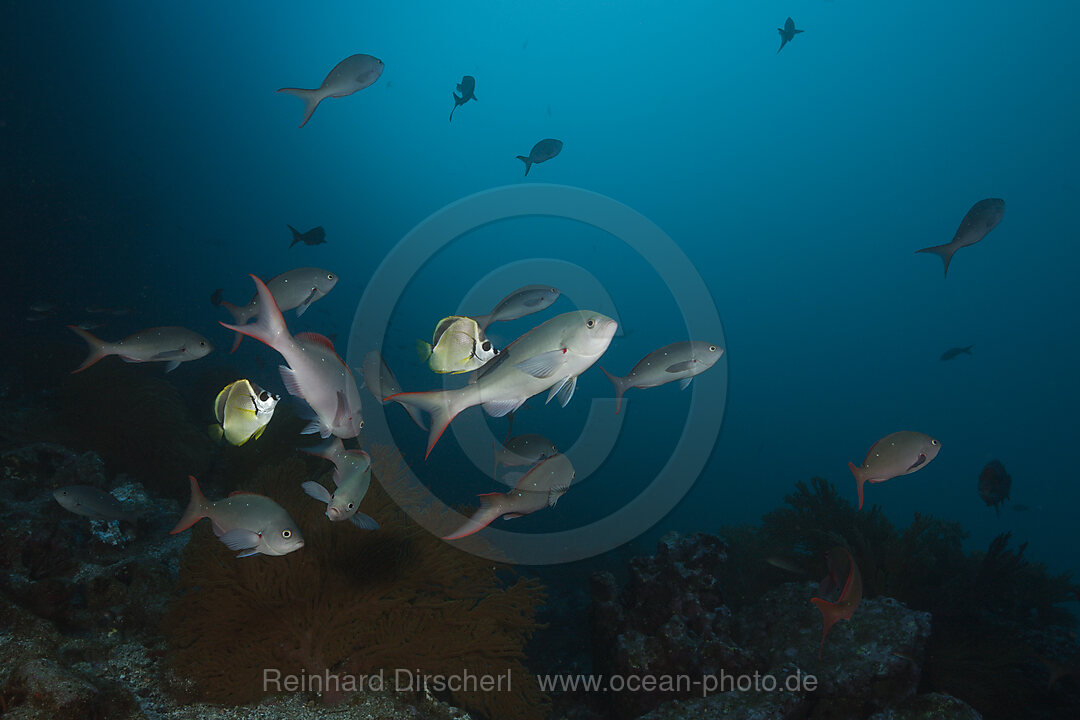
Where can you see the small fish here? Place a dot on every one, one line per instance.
(292, 290)
(528, 449)
(785, 564)
(352, 74)
(994, 485)
(539, 488)
(787, 33)
(115, 311)
(216, 297)
(841, 564)
(983, 217)
(243, 521)
(352, 477)
(314, 236)
(680, 361)
(90, 325)
(94, 503)
(541, 152)
(954, 352)
(467, 88)
(43, 307)
(38, 317)
(243, 410)
(457, 346)
(894, 455)
(380, 382)
(171, 345)
(523, 301)
(550, 357)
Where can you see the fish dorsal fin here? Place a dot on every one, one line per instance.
(243, 492)
(316, 338)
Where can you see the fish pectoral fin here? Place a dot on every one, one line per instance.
(341, 417)
(306, 303)
(316, 426)
(680, 366)
(172, 365)
(556, 492)
(565, 391)
(917, 463)
(288, 377)
(685, 383)
(500, 408)
(364, 522)
(511, 516)
(249, 553)
(543, 365)
(168, 354)
(317, 491)
(240, 539)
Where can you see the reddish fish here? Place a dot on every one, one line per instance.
(841, 564)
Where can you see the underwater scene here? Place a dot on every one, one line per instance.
(527, 360)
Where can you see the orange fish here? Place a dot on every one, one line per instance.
(840, 561)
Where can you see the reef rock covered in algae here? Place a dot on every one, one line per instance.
(350, 603)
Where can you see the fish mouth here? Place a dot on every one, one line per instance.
(333, 513)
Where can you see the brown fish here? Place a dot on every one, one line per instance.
(841, 564)
(896, 454)
(983, 217)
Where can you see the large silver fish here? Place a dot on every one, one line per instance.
(315, 372)
(896, 454)
(352, 74)
(243, 521)
(983, 217)
(679, 361)
(170, 345)
(539, 488)
(94, 503)
(550, 357)
(381, 382)
(352, 477)
(541, 152)
(295, 289)
(527, 449)
(523, 301)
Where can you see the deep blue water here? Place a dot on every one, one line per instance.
(799, 184)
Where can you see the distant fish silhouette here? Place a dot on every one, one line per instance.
(953, 352)
(994, 484)
(467, 88)
(787, 33)
(541, 152)
(314, 236)
(983, 217)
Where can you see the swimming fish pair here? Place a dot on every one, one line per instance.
(528, 449)
(458, 345)
(242, 410)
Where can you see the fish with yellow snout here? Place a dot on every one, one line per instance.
(841, 565)
(242, 410)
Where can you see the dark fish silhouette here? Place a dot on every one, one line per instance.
(467, 88)
(983, 217)
(787, 33)
(315, 236)
(994, 484)
(216, 297)
(953, 352)
(541, 152)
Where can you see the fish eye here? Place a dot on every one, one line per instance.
(264, 396)
(350, 506)
(712, 348)
(933, 442)
(286, 534)
(554, 290)
(486, 345)
(361, 424)
(590, 323)
(330, 276)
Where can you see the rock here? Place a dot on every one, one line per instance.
(752, 705)
(934, 706)
(46, 690)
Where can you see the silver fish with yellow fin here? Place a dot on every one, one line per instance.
(458, 345)
(243, 410)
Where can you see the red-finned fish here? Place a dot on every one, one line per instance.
(679, 361)
(295, 289)
(170, 345)
(983, 217)
(352, 74)
(315, 372)
(244, 521)
(896, 454)
(539, 488)
(352, 477)
(841, 564)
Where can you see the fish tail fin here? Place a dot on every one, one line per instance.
(440, 406)
(269, 326)
(457, 102)
(489, 510)
(620, 388)
(482, 321)
(527, 161)
(423, 350)
(296, 236)
(238, 317)
(98, 348)
(331, 449)
(859, 480)
(830, 613)
(311, 99)
(968, 348)
(945, 252)
(196, 509)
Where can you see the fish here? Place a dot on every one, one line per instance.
(841, 564)
(314, 373)
(467, 88)
(352, 74)
(896, 454)
(994, 485)
(90, 325)
(523, 301)
(983, 217)
(550, 357)
(954, 352)
(539, 488)
(541, 152)
(457, 346)
(314, 236)
(381, 382)
(292, 290)
(527, 449)
(787, 33)
(216, 297)
(94, 503)
(785, 564)
(243, 521)
(171, 345)
(680, 361)
(352, 477)
(44, 307)
(242, 410)
(114, 311)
